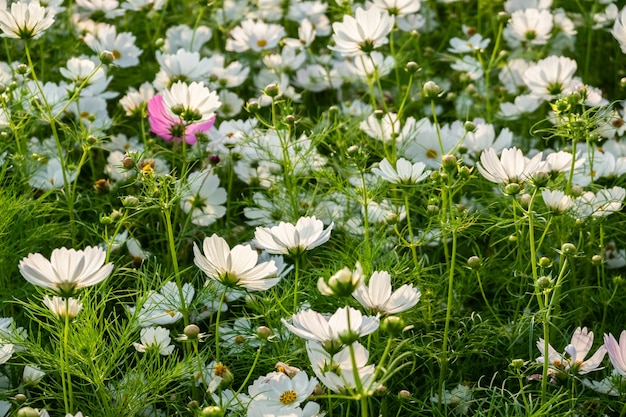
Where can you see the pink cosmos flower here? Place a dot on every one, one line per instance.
(170, 127)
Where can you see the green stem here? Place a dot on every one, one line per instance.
(67, 396)
(296, 273)
(218, 316)
(173, 254)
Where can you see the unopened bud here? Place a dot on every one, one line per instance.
(525, 200)
(469, 126)
(474, 262)
(212, 411)
(253, 105)
(431, 89)
(596, 260)
(107, 57)
(21, 69)
(271, 90)
(393, 325)
(404, 394)
(412, 67)
(191, 331)
(544, 282)
(263, 332)
(568, 249)
(130, 201)
(512, 188)
(449, 162)
(545, 262)
(27, 412)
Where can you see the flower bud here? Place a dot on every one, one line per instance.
(263, 332)
(106, 220)
(431, 89)
(404, 394)
(465, 172)
(106, 57)
(517, 363)
(474, 262)
(568, 249)
(193, 405)
(379, 114)
(540, 178)
(544, 282)
(513, 238)
(596, 260)
(525, 200)
(290, 118)
(393, 325)
(412, 67)
(22, 69)
(469, 126)
(128, 162)
(271, 90)
(449, 162)
(20, 398)
(252, 106)
(191, 331)
(512, 188)
(27, 412)
(214, 159)
(130, 201)
(545, 262)
(212, 411)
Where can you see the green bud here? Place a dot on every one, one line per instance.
(545, 262)
(20, 398)
(525, 199)
(469, 126)
(517, 363)
(568, 249)
(191, 331)
(22, 69)
(404, 394)
(392, 325)
(252, 106)
(263, 332)
(513, 239)
(512, 188)
(474, 262)
(106, 220)
(412, 67)
(431, 89)
(596, 260)
(212, 411)
(27, 412)
(544, 282)
(449, 162)
(107, 57)
(271, 90)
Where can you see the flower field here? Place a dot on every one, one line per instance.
(301, 208)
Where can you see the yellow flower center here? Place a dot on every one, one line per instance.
(261, 43)
(220, 370)
(288, 397)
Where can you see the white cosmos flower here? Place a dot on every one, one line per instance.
(511, 167)
(25, 20)
(404, 173)
(277, 391)
(398, 7)
(363, 33)
(203, 198)
(255, 35)
(157, 338)
(619, 30)
(550, 77)
(556, 200)
(164, 307)
(286, 238)
(617, 351)
(529, 26)
(191, 102)
(6, 351)
(603, 203)
(234, 267)
(338, 371)
(378, 296)
(311, 325)
(67, 270)
(62, 307)
(573, 358)
(121, 45)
